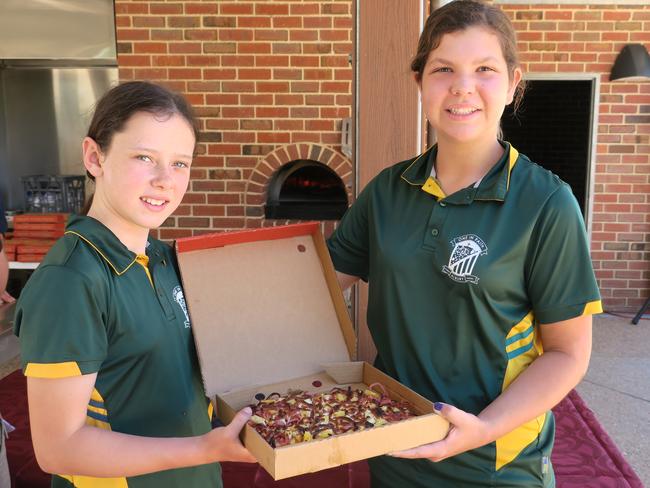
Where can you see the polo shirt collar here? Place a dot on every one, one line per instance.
(100, 238)
(493, 186)
(417, 173)
(496, 182)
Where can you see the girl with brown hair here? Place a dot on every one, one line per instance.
(481, 288)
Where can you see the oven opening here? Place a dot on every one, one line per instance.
(305, 190)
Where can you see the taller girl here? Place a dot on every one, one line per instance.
(481, 285)
(115, 395)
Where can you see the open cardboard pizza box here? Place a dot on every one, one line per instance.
(268, 316)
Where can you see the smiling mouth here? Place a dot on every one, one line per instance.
(462, 111)
(153, 201)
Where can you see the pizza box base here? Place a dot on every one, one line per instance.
(315, 455)
(259, 300)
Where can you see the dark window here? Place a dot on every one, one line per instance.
(553, 128)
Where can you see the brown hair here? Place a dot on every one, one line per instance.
(462, 14)
(121, 102)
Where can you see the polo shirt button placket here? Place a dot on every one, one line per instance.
(434, 232)
(165, 303)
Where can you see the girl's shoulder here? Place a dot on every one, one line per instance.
(71, 253)
(534, 182)
(71, 268)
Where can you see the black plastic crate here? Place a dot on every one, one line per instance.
(53, 193)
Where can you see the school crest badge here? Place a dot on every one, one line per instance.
(179, 298)
(466, 251)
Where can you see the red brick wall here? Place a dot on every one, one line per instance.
(579, 39)
(262, 75)
(268, 74)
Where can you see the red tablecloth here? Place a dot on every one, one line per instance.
(584, 456)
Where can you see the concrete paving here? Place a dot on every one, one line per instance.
(617, 386)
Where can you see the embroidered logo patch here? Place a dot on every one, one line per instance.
(466, 251)
(179, 298)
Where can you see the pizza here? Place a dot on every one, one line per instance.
(300, 416)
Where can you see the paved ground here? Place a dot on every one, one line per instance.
(617, 386)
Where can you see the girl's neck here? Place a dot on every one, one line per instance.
(133, 237)
(459, 165)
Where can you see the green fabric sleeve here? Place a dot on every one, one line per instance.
(60, 317)
(349, 245)
(559, 273)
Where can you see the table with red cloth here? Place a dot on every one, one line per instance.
(584, 455)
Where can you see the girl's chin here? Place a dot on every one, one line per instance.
(467, 137)
(152, 222)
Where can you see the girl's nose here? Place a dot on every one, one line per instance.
(462, 85)
(162, 178)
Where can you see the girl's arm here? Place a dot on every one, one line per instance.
(64, 444)
(567, 349)
(346, 280)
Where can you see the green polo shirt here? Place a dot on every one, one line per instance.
(93, 306)
(457, 287)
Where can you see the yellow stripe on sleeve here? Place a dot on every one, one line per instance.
(88, 482)
(593, 308)
(52, 370)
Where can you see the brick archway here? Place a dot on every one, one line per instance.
(257, 184)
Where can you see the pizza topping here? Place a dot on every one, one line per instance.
(301, 417)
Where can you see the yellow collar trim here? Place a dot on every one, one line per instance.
(432, 187)
(514, 155)
(411, 165)
(143, 260)
(119, 273)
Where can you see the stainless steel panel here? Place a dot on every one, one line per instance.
(57, 29)
(46, 114)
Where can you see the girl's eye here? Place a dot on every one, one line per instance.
(181, 164)
(442, 69)
(485, 68)
(144, 158)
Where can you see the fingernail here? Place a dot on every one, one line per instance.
(437, 406)
(248, 411)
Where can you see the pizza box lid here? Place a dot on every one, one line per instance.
(265, 305)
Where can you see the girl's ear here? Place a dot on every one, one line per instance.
(92, 156)
(418, 80)
(517, 75)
